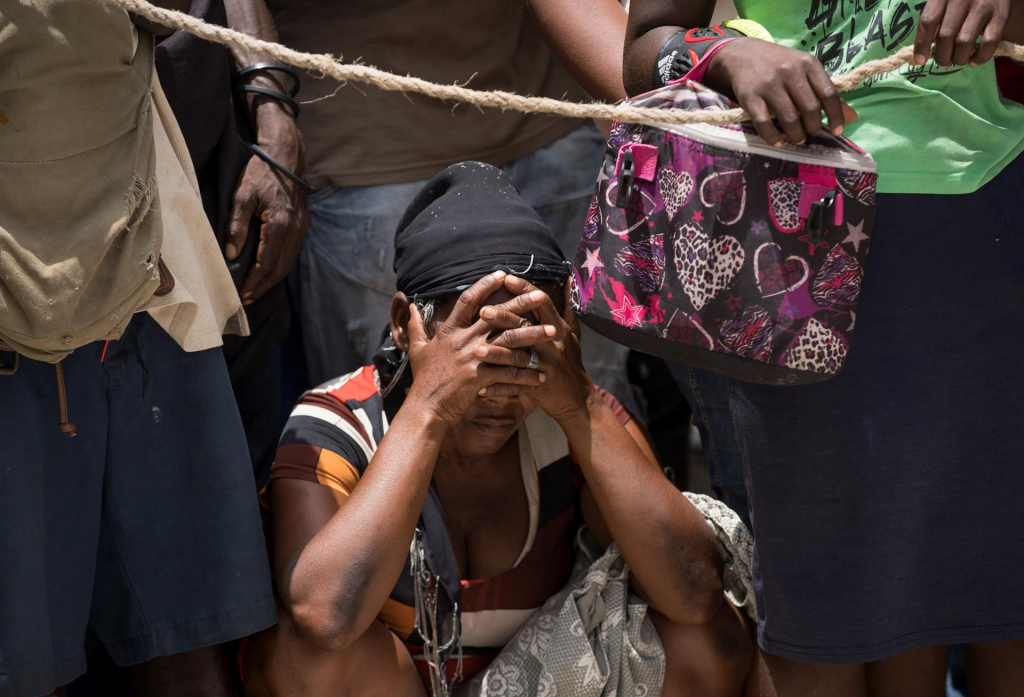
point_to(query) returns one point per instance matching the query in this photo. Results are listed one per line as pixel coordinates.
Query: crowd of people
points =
(293, 400)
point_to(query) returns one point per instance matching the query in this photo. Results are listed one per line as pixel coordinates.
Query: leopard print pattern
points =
(706, 266)
(784, 196)
(816, 348)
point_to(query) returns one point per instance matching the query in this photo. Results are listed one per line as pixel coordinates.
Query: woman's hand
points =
(955, 26)
(448, 376)
(767, 79)
(567, 387)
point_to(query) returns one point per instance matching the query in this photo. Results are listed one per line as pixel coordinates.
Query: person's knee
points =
(281, 662)
(204, 672)
(711, 659)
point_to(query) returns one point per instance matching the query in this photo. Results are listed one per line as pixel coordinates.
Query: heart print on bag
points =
(776, 275)
(675, 189)
(706, 266)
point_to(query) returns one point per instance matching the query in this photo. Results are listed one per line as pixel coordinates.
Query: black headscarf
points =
(468, 221)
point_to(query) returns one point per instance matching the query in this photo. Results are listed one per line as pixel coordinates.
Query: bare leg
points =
(711, 660)
(201, 673)
(915, 673)
(280, 662)
(799, 679)
(996, 669)
(759, 680)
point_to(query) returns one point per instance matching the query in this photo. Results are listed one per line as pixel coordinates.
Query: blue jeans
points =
(708, 396)
(345, 278)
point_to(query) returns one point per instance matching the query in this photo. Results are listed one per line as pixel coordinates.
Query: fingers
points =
(497, 355)
(469, 302)
(287, 220)
(849, 115)
(243, 208)
(256, 276)
(757, 108)
(828, 95)
(967, 36)
(927, 28)
(492, 374)
(266, 272)
(503, 389)
(949, 31)
(990, 39)
(534, 298)
(524, 337)
(500, 318)
(417, 332)
(787, 114)
(529, 300)
(805, 99)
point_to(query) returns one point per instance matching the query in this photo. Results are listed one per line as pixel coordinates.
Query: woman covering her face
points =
(478, 440)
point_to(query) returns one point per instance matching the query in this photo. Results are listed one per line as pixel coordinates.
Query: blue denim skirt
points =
(886, 503)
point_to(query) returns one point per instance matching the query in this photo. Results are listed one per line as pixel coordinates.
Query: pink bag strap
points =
(645, 160)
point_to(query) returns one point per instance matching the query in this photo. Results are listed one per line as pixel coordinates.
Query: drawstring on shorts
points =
(64, 426)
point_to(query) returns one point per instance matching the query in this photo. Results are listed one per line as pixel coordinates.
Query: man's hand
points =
(567, 387)
(278, 202)
(955, 26)
(263, 192)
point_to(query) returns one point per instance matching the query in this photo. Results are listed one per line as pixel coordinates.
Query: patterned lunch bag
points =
(703, 244)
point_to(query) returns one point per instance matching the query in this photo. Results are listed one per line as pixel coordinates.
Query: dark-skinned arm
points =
(263, 192)
(674, 559)
(337, 559)
(587, 37)
(766, 79)
(650, 24)
(672, 553)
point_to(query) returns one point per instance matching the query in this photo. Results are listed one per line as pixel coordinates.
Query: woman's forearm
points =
(651, 22)
(668, 546)
(338, 583)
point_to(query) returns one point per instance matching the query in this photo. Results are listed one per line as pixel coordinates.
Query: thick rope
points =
(329, 66)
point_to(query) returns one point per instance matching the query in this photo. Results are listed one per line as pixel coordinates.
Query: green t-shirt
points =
(931, 130)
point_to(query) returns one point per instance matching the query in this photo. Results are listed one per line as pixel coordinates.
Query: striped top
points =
(330, 438)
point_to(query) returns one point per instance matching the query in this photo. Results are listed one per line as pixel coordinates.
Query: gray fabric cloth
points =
(594, 638)
(591, 639)
(737, 545)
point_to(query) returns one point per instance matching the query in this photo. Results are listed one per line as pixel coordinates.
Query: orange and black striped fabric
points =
(331, 437)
